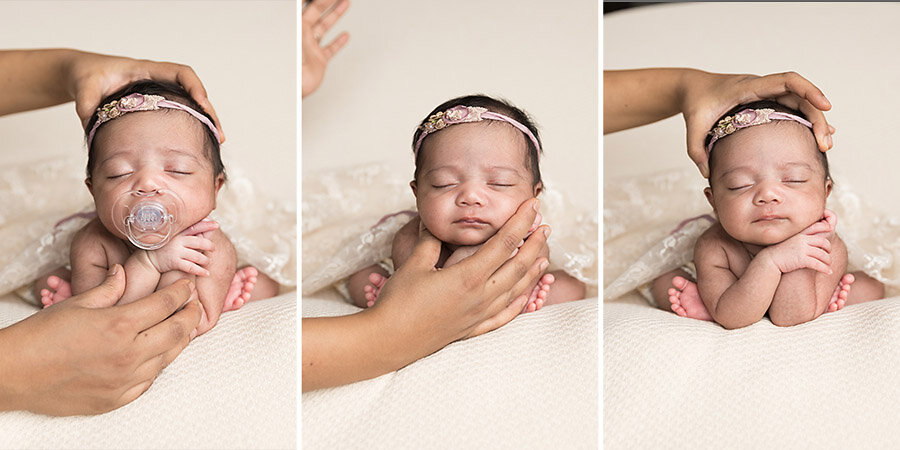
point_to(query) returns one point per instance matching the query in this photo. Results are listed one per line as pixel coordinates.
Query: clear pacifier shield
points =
(147, 219)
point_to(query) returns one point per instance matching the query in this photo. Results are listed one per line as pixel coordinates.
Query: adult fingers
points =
(776, 85)
(156, 307)
(188, 79)
(170, 336)
(329, 19)
(336, 45)
(86, 101)
(107, 293)
(497, 250)
(502, 318)
(516, 274)
(696, 136)
(821, 129)
(314, 10)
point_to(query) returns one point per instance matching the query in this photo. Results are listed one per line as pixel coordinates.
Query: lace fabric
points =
(341, 208)
(35, 197)
(640, 214)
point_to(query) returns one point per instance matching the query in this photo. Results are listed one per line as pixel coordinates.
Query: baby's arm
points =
(212, 288)
(90, 256)
(404, 241)
(804, 293)
(732, 302)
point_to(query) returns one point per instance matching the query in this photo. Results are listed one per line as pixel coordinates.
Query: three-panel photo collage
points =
(350, 224)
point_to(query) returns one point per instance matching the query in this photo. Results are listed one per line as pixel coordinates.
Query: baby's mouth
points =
(470, 221)
(769, 218)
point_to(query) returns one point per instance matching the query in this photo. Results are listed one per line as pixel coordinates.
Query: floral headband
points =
(749, 118)
(465, 114)
(142, 102)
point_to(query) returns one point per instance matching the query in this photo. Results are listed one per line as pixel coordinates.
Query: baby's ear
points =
(709, 197)
(220, 180)
(828, 186)
(90, 186)
(538, 188)
(414, 187)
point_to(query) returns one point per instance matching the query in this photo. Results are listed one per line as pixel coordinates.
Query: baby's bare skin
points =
(798, 296)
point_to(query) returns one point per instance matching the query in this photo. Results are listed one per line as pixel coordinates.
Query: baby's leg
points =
(53, 287)
(675, 291)
(360, 280)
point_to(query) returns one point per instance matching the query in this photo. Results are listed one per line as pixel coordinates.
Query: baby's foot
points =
(376, 282)
(241, 287)
(685, 299)
(539, 293)
(58, 291)
(840, 293)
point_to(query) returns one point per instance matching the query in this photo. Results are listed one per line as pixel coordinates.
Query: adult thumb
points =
(107, 293)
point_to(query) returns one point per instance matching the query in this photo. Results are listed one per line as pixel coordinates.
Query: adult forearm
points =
(632, 98)
(347, 349)
(34, 79)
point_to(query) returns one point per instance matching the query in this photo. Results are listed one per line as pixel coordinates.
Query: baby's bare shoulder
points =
(714, 246)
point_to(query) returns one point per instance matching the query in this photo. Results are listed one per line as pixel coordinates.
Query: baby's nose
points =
(147, 182)
(471, 195)
(767, 193)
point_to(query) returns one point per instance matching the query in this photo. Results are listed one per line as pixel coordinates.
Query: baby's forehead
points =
(778, 140)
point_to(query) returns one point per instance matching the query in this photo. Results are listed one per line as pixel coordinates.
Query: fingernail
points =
(544, 265)
(515, 250)
(546, 231)
(537, 204)
(830, 141)
(193, 334)
(113, 270)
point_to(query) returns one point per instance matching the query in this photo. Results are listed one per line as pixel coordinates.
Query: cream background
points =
(405, 57)
(244, 52)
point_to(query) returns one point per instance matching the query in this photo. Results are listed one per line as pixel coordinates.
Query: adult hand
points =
(476, 295)
(86, 356)
(318, 17)
(706, 96)
(420, 309)
(92, 76)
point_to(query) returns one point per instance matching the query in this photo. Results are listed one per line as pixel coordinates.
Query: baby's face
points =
(769, 183)
(471, 180)
(151, 151)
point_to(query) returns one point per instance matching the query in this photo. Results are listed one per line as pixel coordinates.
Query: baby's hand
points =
(186, 251)
(809, 249)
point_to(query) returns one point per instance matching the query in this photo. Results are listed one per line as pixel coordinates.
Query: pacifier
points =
(147, 219)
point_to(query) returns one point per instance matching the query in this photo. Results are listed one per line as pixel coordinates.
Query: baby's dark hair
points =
(762, 104)
(499, 106)
(170, 91)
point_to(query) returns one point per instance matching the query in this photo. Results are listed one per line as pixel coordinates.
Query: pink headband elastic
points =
(465, 114)
(749, 118)
(142, 102)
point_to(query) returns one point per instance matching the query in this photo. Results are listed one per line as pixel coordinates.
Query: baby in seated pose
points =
(774, 248)
(476, 161)
(154, 170)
